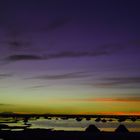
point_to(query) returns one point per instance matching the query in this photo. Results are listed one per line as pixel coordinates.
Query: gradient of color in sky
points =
(79, 57)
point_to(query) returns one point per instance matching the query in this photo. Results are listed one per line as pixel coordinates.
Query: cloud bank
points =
(127, 99)
(72, 75)
(117, 81)
(19, 57)
(2, 76)
(67, 54)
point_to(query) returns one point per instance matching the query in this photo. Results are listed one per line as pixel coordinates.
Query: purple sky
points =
(57, 50)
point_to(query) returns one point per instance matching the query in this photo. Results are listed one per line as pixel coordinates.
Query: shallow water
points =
(73, 125)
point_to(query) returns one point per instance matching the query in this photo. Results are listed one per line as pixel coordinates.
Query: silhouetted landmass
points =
(5, 126)
(98, 117)
(2, 126)
(92, 128)
(44, 134)
(91, 132)
(122, 129)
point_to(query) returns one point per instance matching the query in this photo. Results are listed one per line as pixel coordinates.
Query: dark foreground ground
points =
(42, 134)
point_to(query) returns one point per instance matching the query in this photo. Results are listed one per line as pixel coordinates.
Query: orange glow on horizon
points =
(112, 113)
(100, 100)
(89, 113)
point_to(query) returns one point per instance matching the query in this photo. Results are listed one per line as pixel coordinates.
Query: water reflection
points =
(74, 125)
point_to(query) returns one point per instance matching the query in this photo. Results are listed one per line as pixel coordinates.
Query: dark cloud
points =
(124, 79)
(2, 76)
(3, 104)
(16, 44)
(56, 24)
(72, 75)
(112, 47)
(21, 57)
(36, 87)
(67, 54)
(104, 50)
(72, 54)
(15, 40)
(119, 81)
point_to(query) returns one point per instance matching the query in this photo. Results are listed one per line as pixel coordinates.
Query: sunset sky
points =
(70, 56)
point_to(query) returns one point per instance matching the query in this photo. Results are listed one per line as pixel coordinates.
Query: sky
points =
(70, 57)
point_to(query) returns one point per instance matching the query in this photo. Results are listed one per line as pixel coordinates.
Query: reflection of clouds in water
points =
(72, 124)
